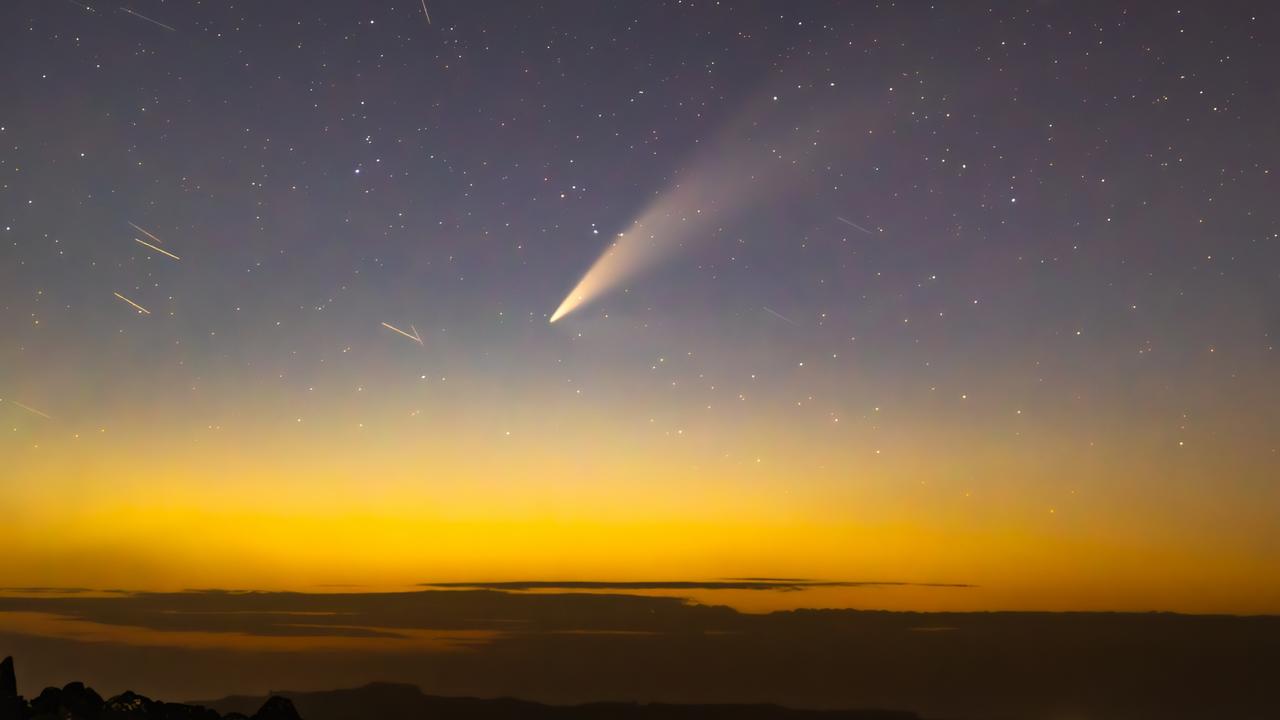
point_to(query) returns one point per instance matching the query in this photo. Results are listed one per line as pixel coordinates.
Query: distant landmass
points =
(395, 700)
(570, 649)
(75, 701)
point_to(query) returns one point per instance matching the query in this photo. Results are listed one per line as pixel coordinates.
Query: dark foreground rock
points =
(277, 708)
(12, 706)
(74, 701)
(8, 681)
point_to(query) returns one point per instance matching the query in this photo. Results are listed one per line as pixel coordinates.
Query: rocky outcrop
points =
(74, 701)
(12, 705)
(130, 705)
(277, 708)
(8, 681)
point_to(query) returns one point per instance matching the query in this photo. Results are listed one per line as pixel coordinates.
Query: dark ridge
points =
(74, 701)
(388, 700)
(378, 700)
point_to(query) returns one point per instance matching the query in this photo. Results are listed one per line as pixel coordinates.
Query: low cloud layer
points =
(575, 641)
(776, 584)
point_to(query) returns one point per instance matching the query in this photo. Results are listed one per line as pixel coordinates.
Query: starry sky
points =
(972, 294)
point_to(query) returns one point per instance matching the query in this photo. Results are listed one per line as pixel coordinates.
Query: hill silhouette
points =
(387, 700)
(75, 701)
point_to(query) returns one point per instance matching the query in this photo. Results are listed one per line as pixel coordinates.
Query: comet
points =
(414, 337)
(135, 305)
(760, 159)
(718, 186)
(627, 255)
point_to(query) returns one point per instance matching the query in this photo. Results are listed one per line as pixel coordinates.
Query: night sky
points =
(981, 294)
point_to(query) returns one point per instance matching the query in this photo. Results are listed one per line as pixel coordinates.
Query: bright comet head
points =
(739, 169)
(629, 254)
(566, 307)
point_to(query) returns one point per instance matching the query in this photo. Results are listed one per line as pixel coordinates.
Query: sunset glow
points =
(800, 355)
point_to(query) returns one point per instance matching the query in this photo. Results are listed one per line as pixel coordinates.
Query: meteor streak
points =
(159, 250)
(28, 408)
(780, 316)
(153, 22)
(414, 337)
(139, 308)
(144, 232)
(424, 11)
(854, 224)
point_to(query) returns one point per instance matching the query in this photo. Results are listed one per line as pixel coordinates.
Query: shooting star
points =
(153, 22)
(81, 5)
(159, 250)
(144, 232)
(414, 337)
(424, 11)
(854, 224)
(780, 316)
(139, 308)
(28, 408)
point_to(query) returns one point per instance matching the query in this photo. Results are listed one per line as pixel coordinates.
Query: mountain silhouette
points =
(396, 700)
(75, 701)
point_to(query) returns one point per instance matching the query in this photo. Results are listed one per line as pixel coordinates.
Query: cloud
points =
(469, 612)
(776, 584)
(45, 590)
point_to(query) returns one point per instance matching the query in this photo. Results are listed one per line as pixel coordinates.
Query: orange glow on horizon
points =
(262, 511)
